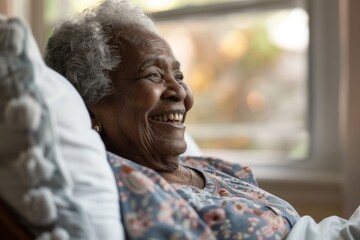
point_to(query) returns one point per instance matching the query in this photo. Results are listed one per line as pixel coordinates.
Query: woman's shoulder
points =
(215, 166)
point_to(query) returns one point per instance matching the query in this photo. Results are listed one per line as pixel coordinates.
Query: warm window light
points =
(256, 101)
(180, 40)
(233, 44)
(200, 78)
(81, 5)
(288, 29)
(159, 5)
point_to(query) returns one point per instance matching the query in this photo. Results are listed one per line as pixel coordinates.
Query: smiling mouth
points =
(175, 118)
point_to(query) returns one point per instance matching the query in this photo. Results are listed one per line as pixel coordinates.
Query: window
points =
(305, 125)
(247, 65)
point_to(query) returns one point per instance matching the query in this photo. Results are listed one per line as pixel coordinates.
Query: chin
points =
(169, 156)
(177, 149)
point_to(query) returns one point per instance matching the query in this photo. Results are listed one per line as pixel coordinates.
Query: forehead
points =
(139, 40)
(139, 49)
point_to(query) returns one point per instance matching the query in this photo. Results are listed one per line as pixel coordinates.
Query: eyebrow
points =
(158, 61)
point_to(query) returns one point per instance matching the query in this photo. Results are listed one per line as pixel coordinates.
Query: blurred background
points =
(272, 81)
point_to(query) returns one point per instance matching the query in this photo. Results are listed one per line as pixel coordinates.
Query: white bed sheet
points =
(331, 228)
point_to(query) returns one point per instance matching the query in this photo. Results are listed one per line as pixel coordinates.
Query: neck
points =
(160, 164)
(180, 175)
(184, 176)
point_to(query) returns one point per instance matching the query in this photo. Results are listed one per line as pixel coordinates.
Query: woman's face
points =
(144, 119)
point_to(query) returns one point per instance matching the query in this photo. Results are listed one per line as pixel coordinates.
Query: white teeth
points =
(165, 118)
(174, 117)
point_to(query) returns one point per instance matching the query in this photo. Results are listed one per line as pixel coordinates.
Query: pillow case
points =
(53, 166)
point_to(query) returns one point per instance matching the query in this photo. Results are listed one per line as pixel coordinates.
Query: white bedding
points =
(53, 167)
(331, 228)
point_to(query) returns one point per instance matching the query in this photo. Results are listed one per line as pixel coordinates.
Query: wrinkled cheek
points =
(145, 135)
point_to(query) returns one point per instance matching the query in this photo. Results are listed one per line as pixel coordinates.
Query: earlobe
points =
(96, 125)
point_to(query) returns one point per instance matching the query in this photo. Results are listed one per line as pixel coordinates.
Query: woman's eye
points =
(155, 77)
(179, 77)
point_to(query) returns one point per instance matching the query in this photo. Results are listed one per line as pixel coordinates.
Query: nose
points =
(173, 90)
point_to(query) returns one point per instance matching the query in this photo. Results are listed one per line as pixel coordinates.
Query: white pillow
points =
(192, 148)
(53, 166)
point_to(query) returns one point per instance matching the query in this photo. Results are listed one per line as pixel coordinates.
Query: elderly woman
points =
(138, 100)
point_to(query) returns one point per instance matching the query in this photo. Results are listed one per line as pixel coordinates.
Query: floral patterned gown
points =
(231, 206)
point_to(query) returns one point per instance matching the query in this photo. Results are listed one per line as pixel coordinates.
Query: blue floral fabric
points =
(231, 206)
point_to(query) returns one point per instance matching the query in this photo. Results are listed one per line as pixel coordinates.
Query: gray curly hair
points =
(80, 48)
